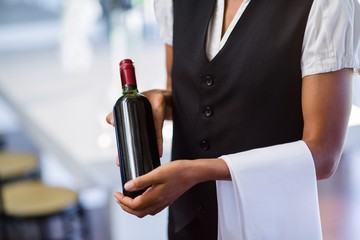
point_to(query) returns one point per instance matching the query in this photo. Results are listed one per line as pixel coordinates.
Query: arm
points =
(161, 101)
(326, 101)
(326, 107)
(168, 59)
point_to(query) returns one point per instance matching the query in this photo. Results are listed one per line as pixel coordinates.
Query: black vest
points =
(248, 96)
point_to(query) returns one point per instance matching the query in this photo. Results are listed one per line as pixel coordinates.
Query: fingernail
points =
(129, 186)
(116, 199)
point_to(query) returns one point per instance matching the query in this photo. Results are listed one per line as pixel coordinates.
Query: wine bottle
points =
(134, 129)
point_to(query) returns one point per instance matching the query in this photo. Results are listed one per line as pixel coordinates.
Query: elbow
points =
(326, 159)
(326, 168)
(326, 163)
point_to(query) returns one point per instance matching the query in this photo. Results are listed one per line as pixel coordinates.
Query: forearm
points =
(210, 169)
(167, 93)
(326, 101)
(168, 104)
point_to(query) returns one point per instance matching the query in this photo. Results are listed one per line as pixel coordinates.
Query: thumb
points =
(110, 118)
(141, 182)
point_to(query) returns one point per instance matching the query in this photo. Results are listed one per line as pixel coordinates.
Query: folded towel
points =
(272, 195)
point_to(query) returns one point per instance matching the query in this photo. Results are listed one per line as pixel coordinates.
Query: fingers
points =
(110, 119)
(159, 138)
(158, 104)
(142, 205)
(164, 189)
(124, 202)
(156, 211)
(158, 113)
(149, 179)
(128, 205)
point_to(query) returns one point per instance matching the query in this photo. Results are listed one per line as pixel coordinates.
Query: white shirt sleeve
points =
(331, 40)
(272, 195)
(165, 17)
(332, 37)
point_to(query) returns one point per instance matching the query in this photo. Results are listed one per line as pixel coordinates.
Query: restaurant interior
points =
(59, 78)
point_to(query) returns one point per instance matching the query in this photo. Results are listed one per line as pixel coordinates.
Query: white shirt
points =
(331, 40)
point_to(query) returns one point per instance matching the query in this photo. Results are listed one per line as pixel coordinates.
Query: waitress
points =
(261, 84)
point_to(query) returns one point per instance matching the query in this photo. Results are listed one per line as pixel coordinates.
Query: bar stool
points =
(28, 206)
(18, 166)
(32, 202)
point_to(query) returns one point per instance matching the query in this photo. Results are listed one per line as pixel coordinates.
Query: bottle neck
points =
(129, 88)
(127, 72)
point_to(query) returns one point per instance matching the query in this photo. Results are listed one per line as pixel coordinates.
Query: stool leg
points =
(76, 224)
(43, 228)
(84, 224)
(70, 220)
(67, 228)
(3, 228)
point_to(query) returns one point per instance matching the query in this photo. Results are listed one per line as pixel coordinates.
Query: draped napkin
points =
(272, 195)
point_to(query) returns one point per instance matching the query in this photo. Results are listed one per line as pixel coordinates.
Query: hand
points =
(161, 109)
(166, 183)
(110, 120)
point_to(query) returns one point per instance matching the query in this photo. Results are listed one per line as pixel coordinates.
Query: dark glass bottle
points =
(134, 128)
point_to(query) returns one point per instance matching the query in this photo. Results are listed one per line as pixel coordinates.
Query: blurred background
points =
(59, 79)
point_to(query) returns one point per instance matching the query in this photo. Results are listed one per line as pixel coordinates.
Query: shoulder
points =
(161, 5)
(332, 36)
(165, 18)
(163, 9)
(337, 8)
(333, 13)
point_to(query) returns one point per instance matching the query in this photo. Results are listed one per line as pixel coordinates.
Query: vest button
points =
(208, 111)
(198, 207)
(204, 145)
(209, 81)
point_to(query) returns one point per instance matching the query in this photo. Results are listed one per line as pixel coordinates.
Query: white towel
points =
(272, 195)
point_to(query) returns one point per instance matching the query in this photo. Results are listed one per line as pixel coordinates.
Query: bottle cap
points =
(127, 72)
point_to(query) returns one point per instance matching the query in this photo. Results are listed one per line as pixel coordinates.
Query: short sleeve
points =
(332, 37)
(165, 17)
